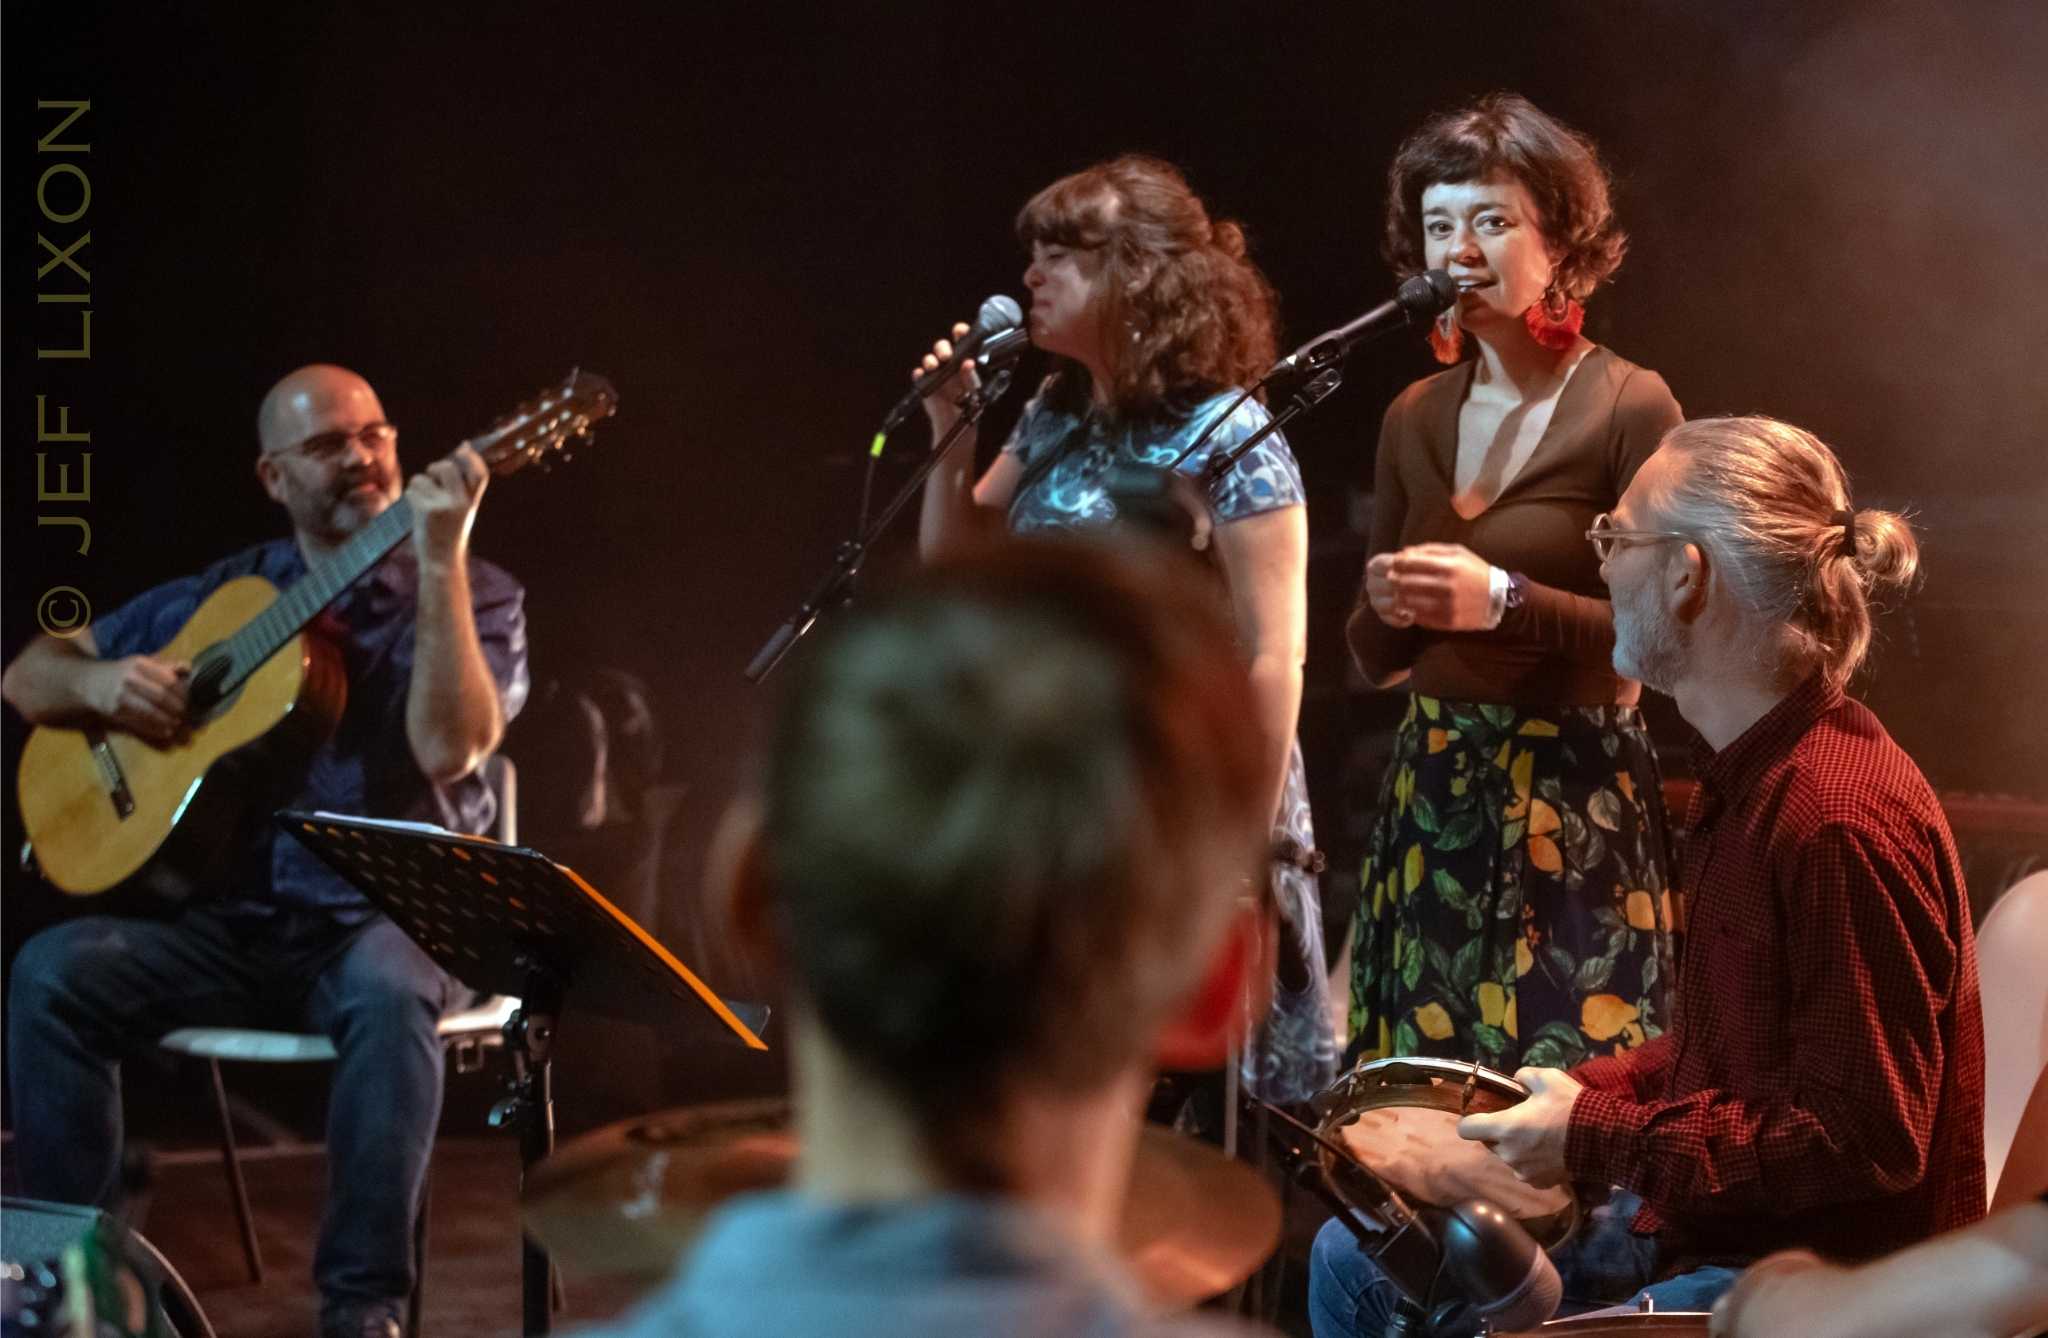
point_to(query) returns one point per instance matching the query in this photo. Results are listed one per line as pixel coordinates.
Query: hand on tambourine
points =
(1530, 1136)
(942, 409)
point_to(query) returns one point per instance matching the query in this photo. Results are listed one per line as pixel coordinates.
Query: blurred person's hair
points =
(1010, 804)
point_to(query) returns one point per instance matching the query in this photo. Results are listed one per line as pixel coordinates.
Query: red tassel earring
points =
(1554, 322)
(1446, 339)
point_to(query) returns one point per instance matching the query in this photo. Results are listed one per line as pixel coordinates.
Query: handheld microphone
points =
(998, 316)
(1423, 297)
(1001, 349)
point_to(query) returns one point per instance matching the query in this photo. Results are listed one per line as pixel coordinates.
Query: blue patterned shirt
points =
(1065, 456)
(1068, 493)
(367, 767)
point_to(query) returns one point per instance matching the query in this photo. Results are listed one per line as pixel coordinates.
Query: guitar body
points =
(106, 811)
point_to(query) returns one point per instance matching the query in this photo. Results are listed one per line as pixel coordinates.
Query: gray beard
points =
(1649, 645)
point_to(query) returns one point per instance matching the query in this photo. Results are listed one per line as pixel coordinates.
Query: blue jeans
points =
(1602, 1264)
(87, 992)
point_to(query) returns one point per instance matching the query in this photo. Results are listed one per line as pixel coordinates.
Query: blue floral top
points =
(1067, 493)
(1294, 1054)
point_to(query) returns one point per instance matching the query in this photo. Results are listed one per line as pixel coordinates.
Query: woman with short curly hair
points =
(1514, 906)
(1155, 318)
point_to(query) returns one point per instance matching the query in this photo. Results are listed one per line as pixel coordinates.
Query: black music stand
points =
(508, 920)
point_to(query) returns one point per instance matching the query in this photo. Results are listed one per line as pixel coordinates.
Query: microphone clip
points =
(973, 402)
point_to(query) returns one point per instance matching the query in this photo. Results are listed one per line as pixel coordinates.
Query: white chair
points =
(2026, 1166)
(467, 1034)
(2012, 969)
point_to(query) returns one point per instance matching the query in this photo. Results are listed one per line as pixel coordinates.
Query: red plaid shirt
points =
(1822, 1083)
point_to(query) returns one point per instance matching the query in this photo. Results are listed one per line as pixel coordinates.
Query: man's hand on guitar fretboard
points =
(444, 498)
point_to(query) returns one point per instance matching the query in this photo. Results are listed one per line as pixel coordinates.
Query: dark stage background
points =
(754, 222)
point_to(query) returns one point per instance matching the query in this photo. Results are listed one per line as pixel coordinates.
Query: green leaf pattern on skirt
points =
(1515, 908)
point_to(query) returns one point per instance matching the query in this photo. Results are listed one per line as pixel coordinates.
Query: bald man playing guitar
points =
(427, 648)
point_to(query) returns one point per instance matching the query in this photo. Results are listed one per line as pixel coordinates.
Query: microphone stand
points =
(1313, 392)
(1419, 298)
(835, 585)
(1323, 356)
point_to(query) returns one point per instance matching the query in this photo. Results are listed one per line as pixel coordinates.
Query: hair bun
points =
(1886, 551)
(1228, 237)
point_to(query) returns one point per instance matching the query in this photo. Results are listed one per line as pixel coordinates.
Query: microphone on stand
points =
(998, 318)
(998, 340)
(1423, 297)
(1419, 299)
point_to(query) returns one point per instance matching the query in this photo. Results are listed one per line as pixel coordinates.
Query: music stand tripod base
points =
(508, 920)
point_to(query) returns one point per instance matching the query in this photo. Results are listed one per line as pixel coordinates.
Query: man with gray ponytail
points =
(1768, 504)
(1823, 1084)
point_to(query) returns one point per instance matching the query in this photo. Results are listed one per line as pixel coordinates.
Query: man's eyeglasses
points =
(1606, 536)
(330, 446)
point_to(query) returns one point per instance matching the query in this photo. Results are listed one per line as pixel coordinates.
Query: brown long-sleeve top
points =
(1557, 648)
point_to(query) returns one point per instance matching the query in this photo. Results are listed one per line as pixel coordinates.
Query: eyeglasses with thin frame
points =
(1605, 536)
(328, 446)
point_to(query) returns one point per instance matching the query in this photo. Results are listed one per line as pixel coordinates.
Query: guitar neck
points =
(262, 635)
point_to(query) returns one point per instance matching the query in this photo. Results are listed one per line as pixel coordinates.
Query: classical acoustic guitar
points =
(106, 811)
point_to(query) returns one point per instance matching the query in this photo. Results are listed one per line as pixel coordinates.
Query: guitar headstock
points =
(552, 423)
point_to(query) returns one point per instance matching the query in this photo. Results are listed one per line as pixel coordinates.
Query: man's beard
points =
(349, 511)
(1649, 644)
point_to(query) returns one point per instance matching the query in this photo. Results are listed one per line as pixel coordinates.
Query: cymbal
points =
(1196, 1223)
(628, 1199)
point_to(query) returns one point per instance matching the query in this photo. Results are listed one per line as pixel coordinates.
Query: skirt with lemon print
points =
(1515, 908)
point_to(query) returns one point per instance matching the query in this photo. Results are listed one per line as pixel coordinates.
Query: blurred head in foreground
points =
(1012, 815)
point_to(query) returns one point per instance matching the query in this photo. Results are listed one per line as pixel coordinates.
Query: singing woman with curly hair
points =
(1514, 904)
(1155, 318)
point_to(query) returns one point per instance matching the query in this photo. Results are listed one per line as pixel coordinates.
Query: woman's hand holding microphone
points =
(943, 408)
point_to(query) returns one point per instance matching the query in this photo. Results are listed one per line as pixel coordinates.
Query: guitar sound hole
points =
(208, 685)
